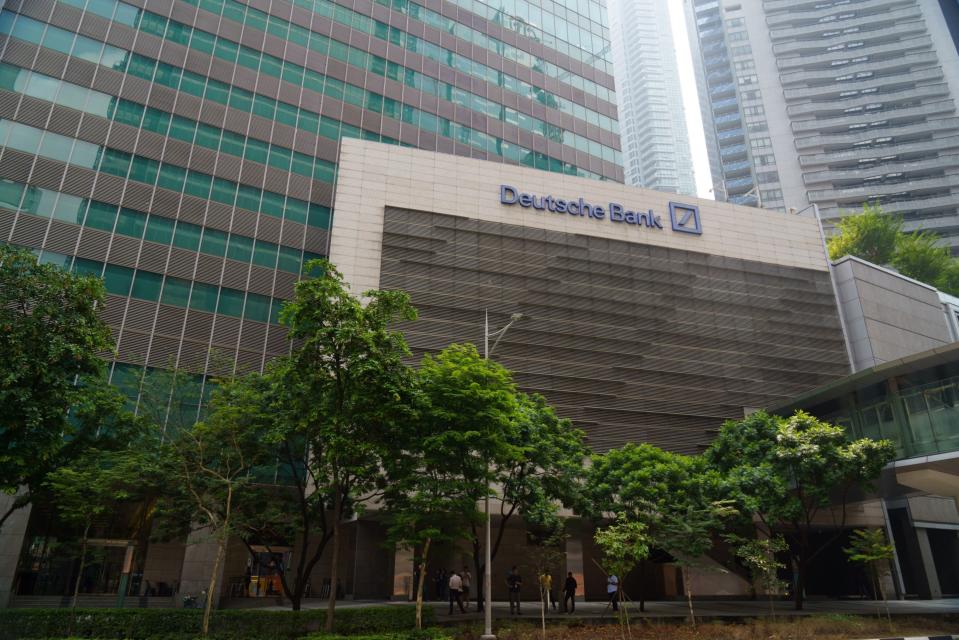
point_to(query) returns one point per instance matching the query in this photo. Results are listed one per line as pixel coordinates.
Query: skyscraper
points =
(186, 150)
(844, 102)
(652, 119)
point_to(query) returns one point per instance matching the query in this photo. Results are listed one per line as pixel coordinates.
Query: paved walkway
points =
(678, 608)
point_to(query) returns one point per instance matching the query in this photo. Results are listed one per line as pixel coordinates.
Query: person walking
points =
(612, 590)
(569, 593)
(514, 582)
(545, 588)
(467, 579)
(456, 591)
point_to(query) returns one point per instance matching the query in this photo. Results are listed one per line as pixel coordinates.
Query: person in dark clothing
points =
(569, 593)
(514, 582)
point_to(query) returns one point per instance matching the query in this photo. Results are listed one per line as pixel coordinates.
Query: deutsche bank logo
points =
(685, 218)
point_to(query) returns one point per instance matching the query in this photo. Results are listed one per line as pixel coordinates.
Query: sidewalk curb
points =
(919, 638)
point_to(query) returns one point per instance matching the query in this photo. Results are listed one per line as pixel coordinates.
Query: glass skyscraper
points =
(187, 150)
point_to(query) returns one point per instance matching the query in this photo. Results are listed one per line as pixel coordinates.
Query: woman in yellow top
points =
(546, 589)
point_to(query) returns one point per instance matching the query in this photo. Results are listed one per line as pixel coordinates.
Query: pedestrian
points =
(467, 579)
(612, 590)
(545, 588)
(456, 591)
(514, 582)
(569, 593)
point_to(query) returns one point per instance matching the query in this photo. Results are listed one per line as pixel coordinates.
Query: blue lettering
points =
(615, 212)
(561, 206)
(525, 200)
(507, 194)
(598, 212)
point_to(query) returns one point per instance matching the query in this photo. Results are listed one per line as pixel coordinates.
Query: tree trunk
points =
(624, 611)
(76, 585)
(419, 586)
(642, 585)
(689, 596)
(480, 577)
(208, 605)
(544, 602)
(799, 595)
(335, 559)
(882, 594)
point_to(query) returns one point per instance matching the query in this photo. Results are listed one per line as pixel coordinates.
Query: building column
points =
(11, 544)
(403, 574)
(199, 556)
(575, 561)
(928, 563)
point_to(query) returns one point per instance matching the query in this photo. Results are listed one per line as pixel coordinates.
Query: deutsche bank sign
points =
(683, 218)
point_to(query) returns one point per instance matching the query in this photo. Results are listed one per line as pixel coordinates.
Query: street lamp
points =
(488, 570)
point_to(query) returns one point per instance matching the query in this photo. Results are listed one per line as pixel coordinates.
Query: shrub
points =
(183, 624)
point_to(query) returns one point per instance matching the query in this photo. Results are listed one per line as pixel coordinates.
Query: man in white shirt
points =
(456, 591)
(612, 590)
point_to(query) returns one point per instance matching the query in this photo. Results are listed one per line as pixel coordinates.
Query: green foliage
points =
(50, 337)
(918, 256)
(184, 624)
(624, 543)
(867, 546)
(879, 238)
(788, 471)
(759, 556)
(870, 235)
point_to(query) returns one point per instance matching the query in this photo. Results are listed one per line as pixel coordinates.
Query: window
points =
(214, 242)
(118, 279)
(147, 286)
(240, 248)
(187, 236)
(159, 229)
(101, 216)
(176, 292)
(131, 223)
(264, 254)
(257, 308)
(70, 209)
(204, 297)
(231, 303)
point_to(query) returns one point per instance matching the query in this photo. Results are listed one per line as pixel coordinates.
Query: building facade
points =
(656, 151)
(187, 150)
(850, 102)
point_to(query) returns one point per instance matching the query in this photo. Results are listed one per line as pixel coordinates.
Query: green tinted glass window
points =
(319, 216)
(131, 223)
(70, 209)
(257, 308)
(240, 248)
(187, 236)
(296, 210)
(264, 254)
(275, 307)
(10, 194)
(223, 191)
(176, 292)
(39, 202)
(159, 229)
(257, 151)
(289, 259)
(129, 113)
(87, 267)
(198, 184)
(147, 286)
(231, 303)
(144, 170)
(171, 177)
(204, 297)
(214, 242)
(56, 146)
(101, 216)
(272, 204)
(116, 163)
(118, 279)
(248, 198)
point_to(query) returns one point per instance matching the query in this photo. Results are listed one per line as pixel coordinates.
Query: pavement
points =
(677, 609)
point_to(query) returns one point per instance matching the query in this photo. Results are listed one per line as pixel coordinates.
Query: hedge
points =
(183, 624)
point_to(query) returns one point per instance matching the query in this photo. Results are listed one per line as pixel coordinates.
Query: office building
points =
(652, 318)
(846, 102)
(186, 150)
(656, 151)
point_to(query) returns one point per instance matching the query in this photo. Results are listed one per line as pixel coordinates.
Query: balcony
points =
(733, 170)
(884, 34)
(836, 107)
(930, 126)
(865, 23)
(915, 43)
(841, 123)
(793, 15)
(929, 205)
(729, 118)
(722, 91)
(834, 91)
(936, 144)
(735, 135)
(733, 152)
(739, 185)
(898, 64)
(868, 192)
(915, 167)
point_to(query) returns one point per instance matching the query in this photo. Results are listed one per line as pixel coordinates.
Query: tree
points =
(85, 489)
(919, 256)
(869, 547)
(50, 338)
(214, 460)
(344, 385)
(870, 235)
(759, 556)
(473, 407)
(427, 497)
(686, 531)
(640, 482)
(624, 543)
(788, 471)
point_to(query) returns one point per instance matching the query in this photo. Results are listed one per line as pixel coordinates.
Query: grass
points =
(826, 627)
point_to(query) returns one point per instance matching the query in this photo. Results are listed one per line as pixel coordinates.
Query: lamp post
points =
(488, 569)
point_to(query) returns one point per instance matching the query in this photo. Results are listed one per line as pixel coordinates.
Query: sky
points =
(687, 81)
